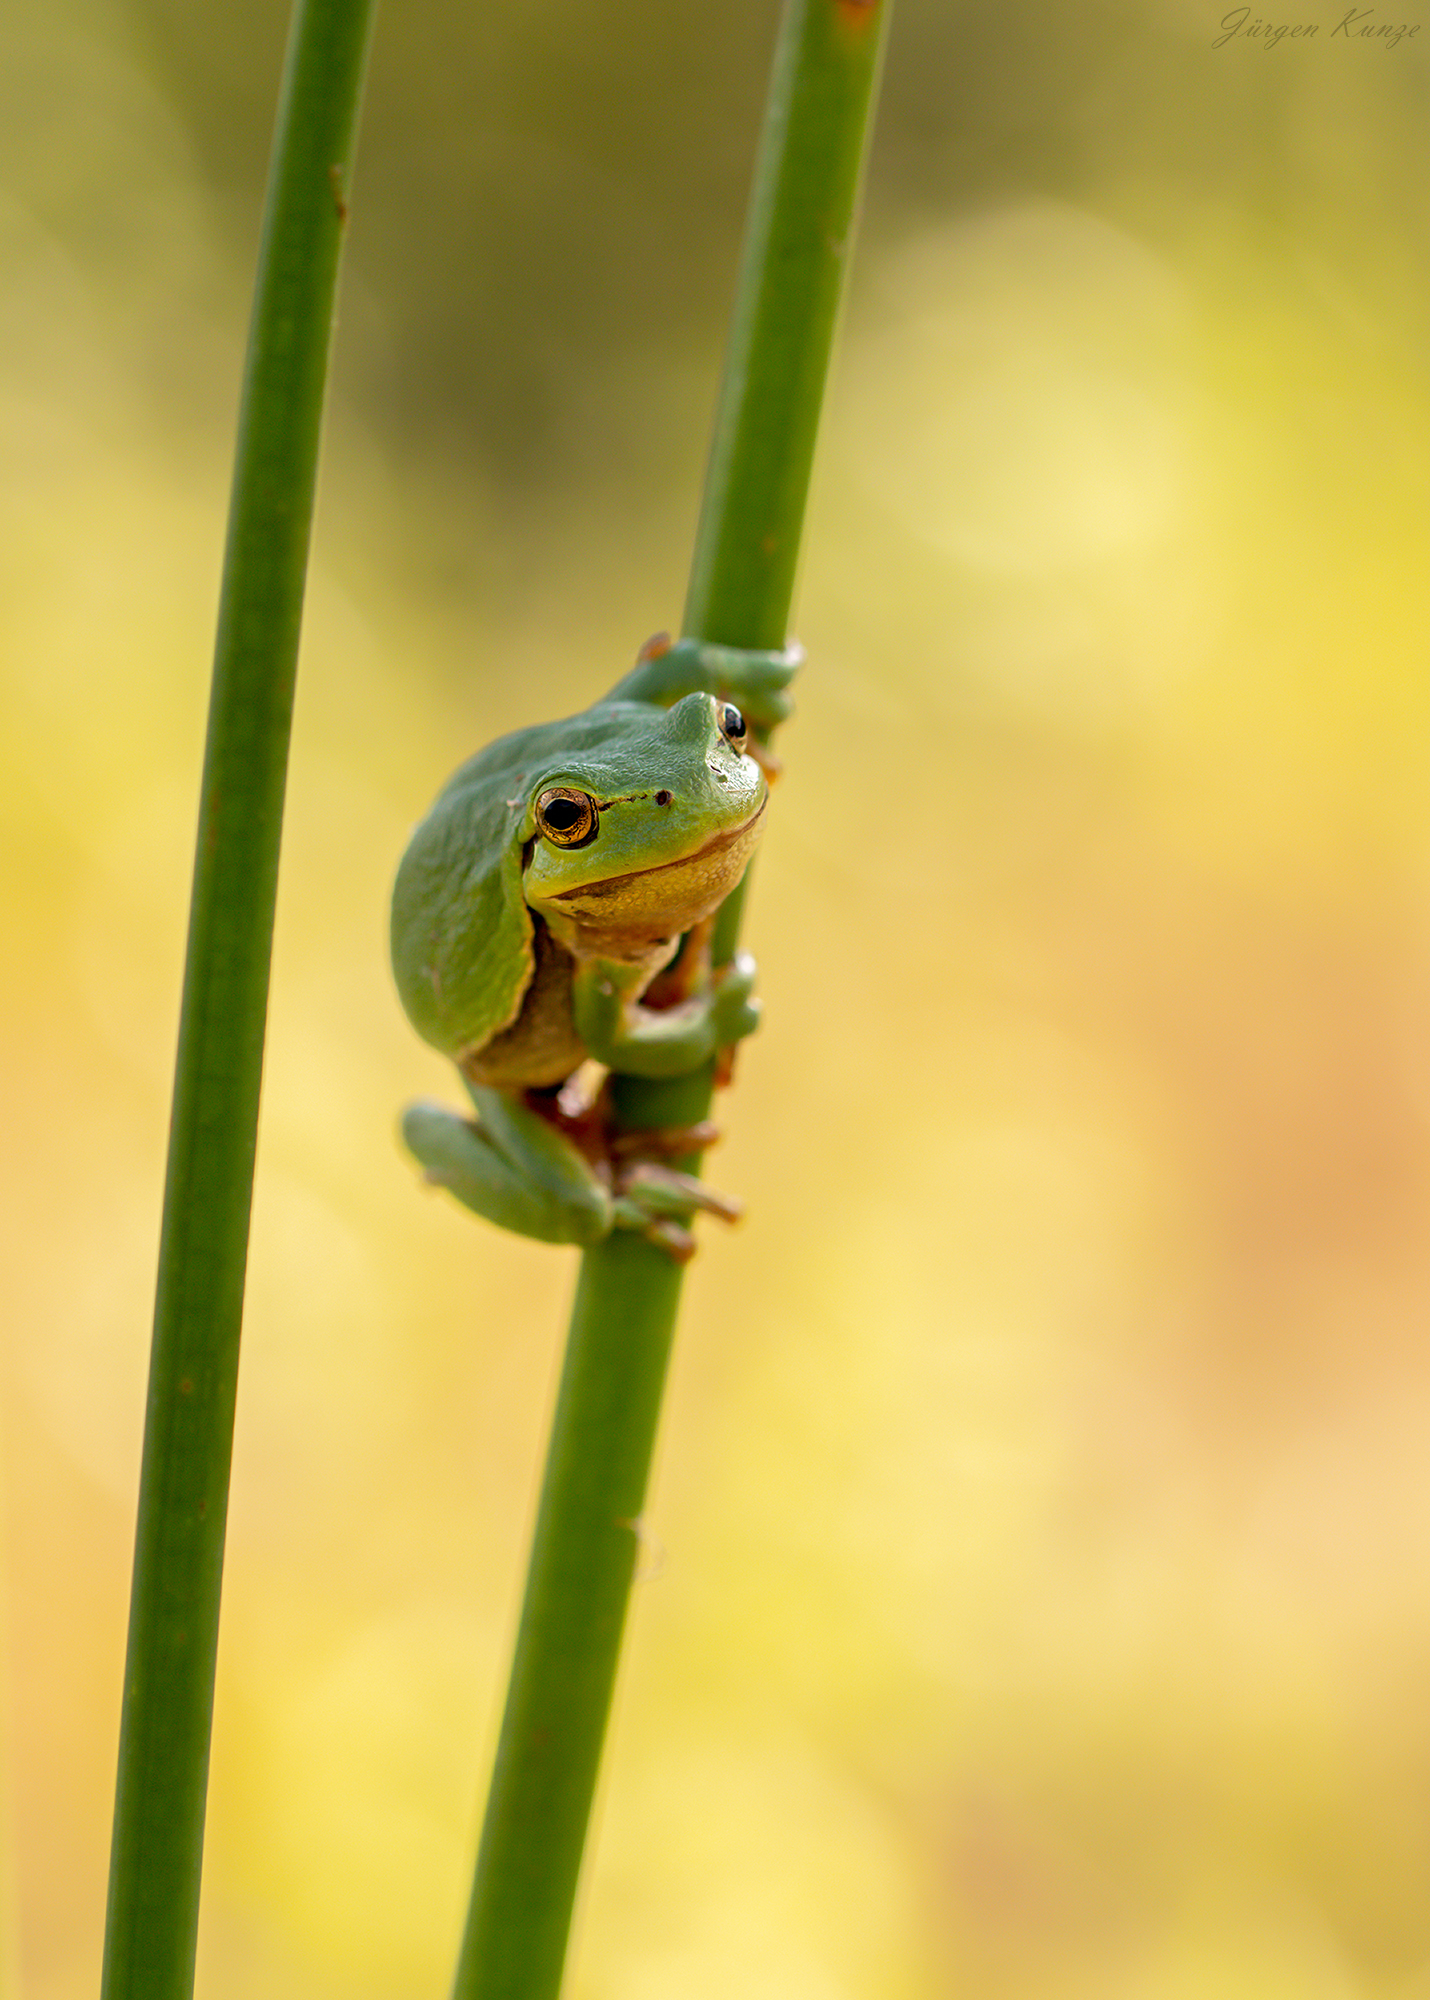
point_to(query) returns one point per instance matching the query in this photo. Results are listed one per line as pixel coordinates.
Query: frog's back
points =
(461, 931)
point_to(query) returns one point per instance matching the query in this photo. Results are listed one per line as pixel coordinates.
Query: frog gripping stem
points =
(584, 1552)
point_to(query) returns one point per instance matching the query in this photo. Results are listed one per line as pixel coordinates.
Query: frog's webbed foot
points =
(676, 1193)
(649, 1194)
(660, 1202)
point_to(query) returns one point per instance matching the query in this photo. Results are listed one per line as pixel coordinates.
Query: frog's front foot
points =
(664, 1041)
(666, 669)
(734, 1011)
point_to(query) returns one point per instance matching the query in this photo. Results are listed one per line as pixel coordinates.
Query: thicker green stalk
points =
(586, 1541)
(183, 1500)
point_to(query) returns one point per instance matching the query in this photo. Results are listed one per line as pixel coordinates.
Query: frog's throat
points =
(637, 917)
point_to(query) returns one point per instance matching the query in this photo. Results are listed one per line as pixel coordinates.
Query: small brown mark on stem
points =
(857, 15)
(335, 182)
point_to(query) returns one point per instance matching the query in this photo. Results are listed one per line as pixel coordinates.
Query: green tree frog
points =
(555, 907)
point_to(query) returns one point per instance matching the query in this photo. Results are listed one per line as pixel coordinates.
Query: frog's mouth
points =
(611, 916)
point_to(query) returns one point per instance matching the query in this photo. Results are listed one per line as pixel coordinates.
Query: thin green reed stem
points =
(183, 1499)
(587, 1537)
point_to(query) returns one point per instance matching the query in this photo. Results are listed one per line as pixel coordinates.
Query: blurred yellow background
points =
(1044, 1611)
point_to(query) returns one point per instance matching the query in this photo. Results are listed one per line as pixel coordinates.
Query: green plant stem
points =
(587, 1536)
(183, 1500)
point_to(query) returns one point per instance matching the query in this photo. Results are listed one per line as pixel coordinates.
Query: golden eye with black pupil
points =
(732, 725)
(567, 818)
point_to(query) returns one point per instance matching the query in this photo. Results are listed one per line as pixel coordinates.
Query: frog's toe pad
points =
(733, 1007)
(672, 1237)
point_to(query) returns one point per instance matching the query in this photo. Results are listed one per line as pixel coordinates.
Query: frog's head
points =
(644, 828)
(622, 827)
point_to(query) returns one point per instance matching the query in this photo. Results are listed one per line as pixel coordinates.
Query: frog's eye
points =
(732, 725)
(568, 819)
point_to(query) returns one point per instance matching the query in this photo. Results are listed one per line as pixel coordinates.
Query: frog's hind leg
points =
(517, 1165)
(510, 1166)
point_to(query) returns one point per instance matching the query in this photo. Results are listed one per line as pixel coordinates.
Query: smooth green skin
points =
(669, 783)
